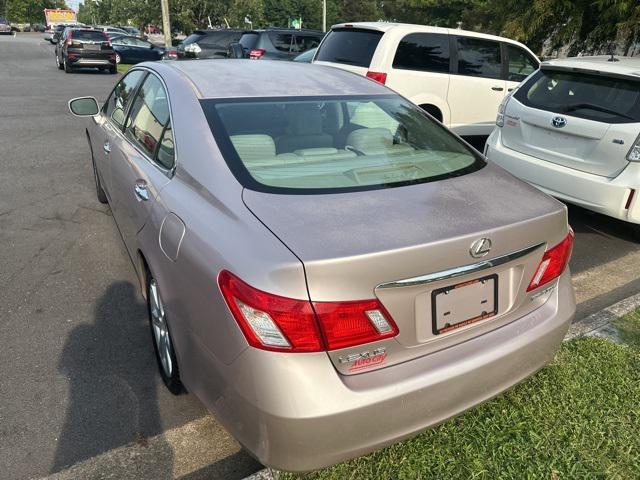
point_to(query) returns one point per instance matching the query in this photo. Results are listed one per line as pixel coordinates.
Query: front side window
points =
(479, 58)
(350, 46)
(521, 65)
(589, 96)
(323, 145)
(149, 118)
(427, 52)
(116, 105)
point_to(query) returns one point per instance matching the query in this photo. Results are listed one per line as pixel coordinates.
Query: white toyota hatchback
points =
(572, 130)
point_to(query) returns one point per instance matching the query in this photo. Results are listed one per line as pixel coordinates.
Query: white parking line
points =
(203, 442)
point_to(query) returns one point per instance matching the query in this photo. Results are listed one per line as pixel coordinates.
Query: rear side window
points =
(427, 52)
(116, 106)
(193, 38)
(349, 46)
(479, 58)
(149, 120)
(282, 41)
(592, 97)
(302, 43)
(220, 39)
(521, 65)
(88, 35)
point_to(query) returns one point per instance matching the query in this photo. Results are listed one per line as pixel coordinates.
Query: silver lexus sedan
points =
(327, 267)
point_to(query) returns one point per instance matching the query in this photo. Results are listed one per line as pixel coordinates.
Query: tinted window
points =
(249, 40)
(220, 39)
(88, 35)
(375, 142)
(302, 43)
(479, 58)
(282, 41)
(349, 46)
(194, 37)
(593, 97)
(116, 106)
(423, 51)
(521, 65)
(166, 152)
(149, 116)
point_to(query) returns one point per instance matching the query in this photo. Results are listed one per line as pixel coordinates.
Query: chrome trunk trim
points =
(459, 271)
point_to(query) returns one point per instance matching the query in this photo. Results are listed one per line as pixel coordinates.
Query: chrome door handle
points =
(497, 89)
(106, 147)
(141, 191)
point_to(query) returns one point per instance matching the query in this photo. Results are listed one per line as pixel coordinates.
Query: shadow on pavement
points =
(113, 382)
(234, 467)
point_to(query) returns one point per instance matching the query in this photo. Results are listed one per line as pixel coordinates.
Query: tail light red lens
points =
(272, 322)
(256, 53)
(379, 77)
(553, 263)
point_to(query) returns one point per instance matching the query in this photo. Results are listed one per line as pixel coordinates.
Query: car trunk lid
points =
(366, 245)
(583, 121)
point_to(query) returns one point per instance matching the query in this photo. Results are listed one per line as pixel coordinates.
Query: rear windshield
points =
(349, 46)
(577, 94)
(248, 40)
(194, 37)
(322, 145)
(89, 35)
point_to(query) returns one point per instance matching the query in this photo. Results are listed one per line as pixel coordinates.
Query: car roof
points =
(210, 31)
(286, 30)
(414, 28)
(270, 78)
(629, 66)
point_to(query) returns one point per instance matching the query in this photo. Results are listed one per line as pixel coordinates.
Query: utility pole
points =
(166, 24)
(324, 15)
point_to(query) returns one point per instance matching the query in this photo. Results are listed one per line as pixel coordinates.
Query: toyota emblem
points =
(559, 122)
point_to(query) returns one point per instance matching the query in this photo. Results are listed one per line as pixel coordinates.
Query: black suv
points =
(208, 43)
(82, 47)
(275, 43)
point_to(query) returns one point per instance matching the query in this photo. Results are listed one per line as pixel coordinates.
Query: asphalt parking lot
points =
(78, 381)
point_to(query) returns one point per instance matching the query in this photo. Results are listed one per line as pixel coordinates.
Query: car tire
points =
(161, 338)
(60, 66)
(102, 197)
(67, 68)
(113, 70)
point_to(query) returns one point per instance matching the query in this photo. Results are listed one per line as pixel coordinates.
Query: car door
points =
(109, 124)
(139, 168)
(477, 85)
(520, 64)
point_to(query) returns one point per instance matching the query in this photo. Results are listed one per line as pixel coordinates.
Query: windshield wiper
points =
(347, 60)
(598, 108)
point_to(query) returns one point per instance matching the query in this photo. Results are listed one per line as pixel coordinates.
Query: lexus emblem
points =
(559, 122)
(480, 247)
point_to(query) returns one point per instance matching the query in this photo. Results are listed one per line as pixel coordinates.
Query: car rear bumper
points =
(91, 62)
(296, 413)
(604, 195)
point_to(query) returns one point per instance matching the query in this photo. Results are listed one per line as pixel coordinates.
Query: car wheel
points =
(102, 197)
(118, 59)
(162, 343)
(66, 66)
(58, 64)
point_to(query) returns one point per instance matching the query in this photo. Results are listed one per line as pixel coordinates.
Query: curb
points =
(597, 324)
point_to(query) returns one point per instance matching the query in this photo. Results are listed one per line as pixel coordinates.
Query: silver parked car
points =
(327, 267)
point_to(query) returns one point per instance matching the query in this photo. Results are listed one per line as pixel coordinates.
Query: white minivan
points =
(573, 130)
(457, 76)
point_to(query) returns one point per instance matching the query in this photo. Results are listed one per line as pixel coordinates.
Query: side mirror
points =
(235, 50)
(84, 106)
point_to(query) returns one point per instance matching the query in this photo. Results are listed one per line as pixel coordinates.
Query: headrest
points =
(365, 139)
(305, 119)
(253, 147)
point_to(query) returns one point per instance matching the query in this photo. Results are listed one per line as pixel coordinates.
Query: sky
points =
(74, 4)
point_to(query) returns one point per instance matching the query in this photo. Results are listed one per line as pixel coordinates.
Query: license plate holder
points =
(459, 305)
(91, 46)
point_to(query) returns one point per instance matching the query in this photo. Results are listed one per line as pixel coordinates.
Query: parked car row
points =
(5, 27)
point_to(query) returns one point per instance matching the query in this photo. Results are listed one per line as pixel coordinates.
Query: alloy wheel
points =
(160, 328)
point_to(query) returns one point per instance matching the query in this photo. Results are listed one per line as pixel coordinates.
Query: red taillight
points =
(272, 322)
(553, 263)
(346, 324)
(256, 53)
(379, 77)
